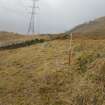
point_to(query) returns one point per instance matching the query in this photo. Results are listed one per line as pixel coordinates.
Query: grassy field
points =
(40, 74)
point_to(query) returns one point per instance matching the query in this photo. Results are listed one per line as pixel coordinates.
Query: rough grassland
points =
(40, 75)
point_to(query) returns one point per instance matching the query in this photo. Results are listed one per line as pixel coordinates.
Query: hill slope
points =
(9, 36)
(9, 40)
(6, 37)
(96, 27)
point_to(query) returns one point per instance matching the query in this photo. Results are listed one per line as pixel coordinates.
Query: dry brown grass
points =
(40, 75)
(7, 37)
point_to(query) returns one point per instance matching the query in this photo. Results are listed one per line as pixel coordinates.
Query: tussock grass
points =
(40, 75)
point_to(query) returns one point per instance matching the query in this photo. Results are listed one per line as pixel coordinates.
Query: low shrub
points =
(83, 60)
(22, 44)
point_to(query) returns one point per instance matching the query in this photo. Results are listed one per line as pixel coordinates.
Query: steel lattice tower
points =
(31, 28)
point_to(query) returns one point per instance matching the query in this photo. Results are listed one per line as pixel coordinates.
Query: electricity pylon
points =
(31, 28)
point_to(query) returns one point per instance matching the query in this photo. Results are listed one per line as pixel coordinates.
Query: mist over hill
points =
(95, 27)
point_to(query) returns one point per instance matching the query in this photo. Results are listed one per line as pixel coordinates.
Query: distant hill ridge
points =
(10, 36)
(95, 27)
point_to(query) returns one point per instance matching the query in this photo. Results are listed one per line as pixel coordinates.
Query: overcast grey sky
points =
(53, 15)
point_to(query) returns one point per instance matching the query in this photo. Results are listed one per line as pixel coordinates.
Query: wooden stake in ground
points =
(70, 49)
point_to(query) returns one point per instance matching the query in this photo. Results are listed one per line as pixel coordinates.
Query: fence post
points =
(70, 49)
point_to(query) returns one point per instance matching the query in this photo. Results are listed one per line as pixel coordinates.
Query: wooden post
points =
(70, 49)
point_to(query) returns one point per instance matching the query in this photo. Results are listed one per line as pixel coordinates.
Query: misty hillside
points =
(95, 27)
(10, 40)
(9, 36)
